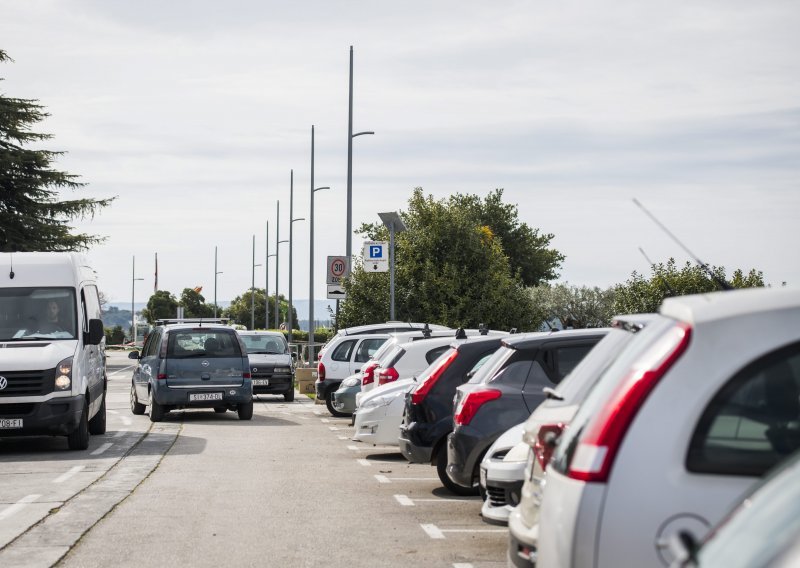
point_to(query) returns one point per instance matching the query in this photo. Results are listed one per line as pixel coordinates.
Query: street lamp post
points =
(266, 280)
(133, 294)
(278, 242)
(291, 224)
(253, 288)
(311, 258)
(350, 136)
(216, 272)
(395, 224)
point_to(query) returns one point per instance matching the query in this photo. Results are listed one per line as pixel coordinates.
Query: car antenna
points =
(11, 260)
(721, 282)
(426, 331)
(653, 266)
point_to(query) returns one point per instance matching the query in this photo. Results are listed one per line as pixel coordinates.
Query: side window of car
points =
(150, 347)
(753, 422)
(343, 350)
(367, 349)
(435, 353)
(567, 358)
(516, 371)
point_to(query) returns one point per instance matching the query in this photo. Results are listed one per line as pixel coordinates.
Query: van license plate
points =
(260, 382)
(205, 396)
(8, 423)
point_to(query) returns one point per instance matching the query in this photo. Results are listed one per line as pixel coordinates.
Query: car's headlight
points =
(518, 453)
(351, 382)
(377, 401)
(283, 370)
(64, 374)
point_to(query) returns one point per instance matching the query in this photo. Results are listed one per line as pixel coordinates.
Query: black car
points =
(429, 406)
(506, 391)
(271, 363)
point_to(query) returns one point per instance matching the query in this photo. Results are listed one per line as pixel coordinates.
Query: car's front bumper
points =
(344, 399)
(276, 384)
(58, 416)
(380, 425)
(502, 495)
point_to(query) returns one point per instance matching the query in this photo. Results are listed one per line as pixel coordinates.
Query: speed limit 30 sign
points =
(338, 268)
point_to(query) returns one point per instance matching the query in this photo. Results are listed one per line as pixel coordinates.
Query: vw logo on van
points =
(205, 363)
(3, 383)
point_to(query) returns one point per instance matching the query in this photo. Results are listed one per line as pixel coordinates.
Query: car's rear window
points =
(203, 343)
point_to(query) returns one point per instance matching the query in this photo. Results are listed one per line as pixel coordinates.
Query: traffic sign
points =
(376, 256)
(338, 268)
(336, 292)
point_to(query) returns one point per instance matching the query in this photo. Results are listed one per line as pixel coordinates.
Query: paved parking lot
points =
(289, 488)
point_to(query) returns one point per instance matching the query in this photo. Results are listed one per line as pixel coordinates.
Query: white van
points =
(52, 348)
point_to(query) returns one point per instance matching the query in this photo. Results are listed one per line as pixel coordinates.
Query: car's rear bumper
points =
(522, 541)
(411, 451)
(57, 416)
(182, 397)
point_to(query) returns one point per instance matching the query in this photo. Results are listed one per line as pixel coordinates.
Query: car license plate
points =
(8, 423)
(200, 396)
(260, 382)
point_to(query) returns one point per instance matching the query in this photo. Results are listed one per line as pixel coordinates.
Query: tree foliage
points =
(161, 305)
(240, 310)
(194, 304)
(452, 266)
(640, 294)
(573, 306)
(32, 217)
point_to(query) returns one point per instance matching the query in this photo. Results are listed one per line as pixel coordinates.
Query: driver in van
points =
(51, 322)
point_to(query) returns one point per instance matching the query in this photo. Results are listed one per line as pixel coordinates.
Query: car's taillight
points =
(321, 371)
(604, 432)
(246, 375)
(387, 375)
(472, 403)
(368, 373)
(161, 376)
(427, 382)
(546, 442)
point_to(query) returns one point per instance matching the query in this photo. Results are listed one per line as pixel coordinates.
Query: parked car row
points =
(622, 446)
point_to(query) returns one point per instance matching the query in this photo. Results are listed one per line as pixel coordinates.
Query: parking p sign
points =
(376, 256)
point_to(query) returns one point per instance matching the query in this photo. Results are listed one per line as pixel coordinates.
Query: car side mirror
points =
(294, 356)
(96, 332)
(133, 355)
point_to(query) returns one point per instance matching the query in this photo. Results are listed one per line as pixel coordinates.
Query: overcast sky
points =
(194, 112)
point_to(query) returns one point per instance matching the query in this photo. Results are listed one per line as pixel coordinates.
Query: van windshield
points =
(28, 314)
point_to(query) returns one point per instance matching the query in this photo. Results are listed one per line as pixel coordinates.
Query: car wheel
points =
(329, 404)
(136, 407)
(245, 411)
(220, 410)
(79, 438)
(288, 396)
(97, 425)
(157, 411)
(450, 485)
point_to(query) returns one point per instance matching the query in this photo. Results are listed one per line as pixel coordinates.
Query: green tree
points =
(240, 309)
(451, 269)
(161, 305)
(115, 335)
(32, 217)
(574, 306)
(640, 294)
(194, 304)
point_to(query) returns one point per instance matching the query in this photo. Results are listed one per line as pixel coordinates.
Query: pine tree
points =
(32, 217)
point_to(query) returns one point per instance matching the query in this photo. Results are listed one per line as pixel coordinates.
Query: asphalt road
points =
(288, 488)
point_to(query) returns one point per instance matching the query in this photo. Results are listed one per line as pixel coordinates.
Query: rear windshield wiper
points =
(551, 393)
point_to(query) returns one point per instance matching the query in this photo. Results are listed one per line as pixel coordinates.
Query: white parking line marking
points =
(394, 479)
(365, 463)
(325, 420)
(120, 433)
(19, 505)
(121, 370)
(462, 565)
(404, 501)
(382, 479)
(112, 411)
(126, 420)
(334, 428)
(432, 531)
(102, 449)
(344, 437)
(64, 476)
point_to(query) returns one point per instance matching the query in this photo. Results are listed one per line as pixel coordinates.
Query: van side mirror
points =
(96, 332)
(133, 355)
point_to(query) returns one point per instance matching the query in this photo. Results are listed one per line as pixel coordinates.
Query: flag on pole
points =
(155, 282)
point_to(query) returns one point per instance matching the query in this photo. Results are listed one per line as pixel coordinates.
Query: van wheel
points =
(450, 485)
(245, 411)
(97, 425)
(329, 404)
(288, 396)
(79, 438)
(136, 407)
(157, 411)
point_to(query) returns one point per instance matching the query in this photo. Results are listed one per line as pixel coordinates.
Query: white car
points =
(380, 412)
(700, 404)
(548, 422)
(501, 473)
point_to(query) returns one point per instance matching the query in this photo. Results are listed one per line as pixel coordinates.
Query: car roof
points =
(197, 327)
(389, 326)
(260, 332)
(699, 308)
(527, 340)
